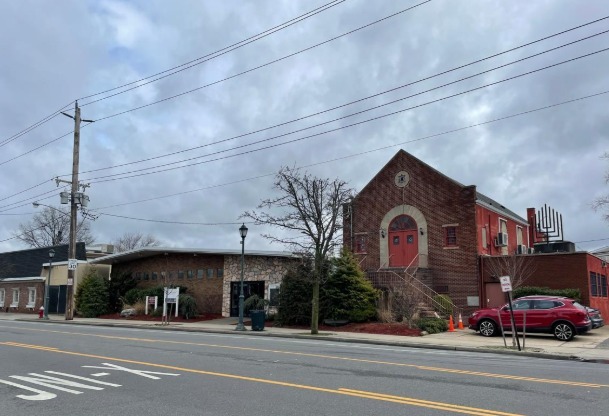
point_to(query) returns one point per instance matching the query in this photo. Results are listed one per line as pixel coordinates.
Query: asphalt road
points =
(52, 369)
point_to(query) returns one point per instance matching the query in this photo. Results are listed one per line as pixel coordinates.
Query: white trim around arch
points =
(421, 223)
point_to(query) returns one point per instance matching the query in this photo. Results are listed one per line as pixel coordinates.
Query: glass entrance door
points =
(249, 289)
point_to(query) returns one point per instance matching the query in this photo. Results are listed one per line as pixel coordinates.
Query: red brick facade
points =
(435, 202)
(202, 274)
(565, 271)
(455, 230)
(23, 305)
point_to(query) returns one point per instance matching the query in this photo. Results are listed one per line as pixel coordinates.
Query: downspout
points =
(351, 224)
(481, 290)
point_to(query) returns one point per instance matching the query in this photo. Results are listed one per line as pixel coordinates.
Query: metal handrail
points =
(417, 284)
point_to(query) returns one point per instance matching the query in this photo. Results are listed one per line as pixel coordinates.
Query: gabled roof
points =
(28, 263)
(493, 205)
(481, 199)
(404, 152)
(144, 252)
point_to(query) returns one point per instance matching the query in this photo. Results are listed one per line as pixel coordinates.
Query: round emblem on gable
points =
(401, 179)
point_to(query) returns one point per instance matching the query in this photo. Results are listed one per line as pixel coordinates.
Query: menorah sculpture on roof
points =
(549, 224)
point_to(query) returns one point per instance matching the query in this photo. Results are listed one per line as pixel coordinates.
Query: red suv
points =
(560, 316)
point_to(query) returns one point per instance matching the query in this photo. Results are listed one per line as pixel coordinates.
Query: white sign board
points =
(506, 284)
(171, 295)
(72, 264)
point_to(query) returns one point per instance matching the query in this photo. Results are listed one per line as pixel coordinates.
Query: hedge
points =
(546, 291)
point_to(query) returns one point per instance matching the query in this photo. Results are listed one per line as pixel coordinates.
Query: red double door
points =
(403, 241)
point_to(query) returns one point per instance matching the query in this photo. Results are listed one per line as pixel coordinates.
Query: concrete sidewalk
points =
(593, 346)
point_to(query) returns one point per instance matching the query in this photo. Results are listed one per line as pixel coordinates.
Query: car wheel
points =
(487, 328)
(563, 331)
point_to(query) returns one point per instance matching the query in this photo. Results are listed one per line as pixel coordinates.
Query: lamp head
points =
(35, 204)
(243, 230)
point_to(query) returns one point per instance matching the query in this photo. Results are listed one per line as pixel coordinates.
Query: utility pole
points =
(75, 198)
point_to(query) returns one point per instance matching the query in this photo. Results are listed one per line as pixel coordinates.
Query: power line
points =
(232, 76)
(346, 157)
(343, 105)
(35, 125)
(25, 190)
(100, 178)
(592, 241)
(213, 55)
(263, 65)
(333, 108)
(328, 131)
(28, 201)
(256, 37)
(367, 151)
(173, 222)
(36, 148)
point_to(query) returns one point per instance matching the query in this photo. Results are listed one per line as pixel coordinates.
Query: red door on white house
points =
(403, 241)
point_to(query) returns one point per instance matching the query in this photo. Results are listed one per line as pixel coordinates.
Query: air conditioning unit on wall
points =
(531, 250)
(501, 240)
(521, 249)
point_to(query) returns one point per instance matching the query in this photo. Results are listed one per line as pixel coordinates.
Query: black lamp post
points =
(243, 232)
(46, 288)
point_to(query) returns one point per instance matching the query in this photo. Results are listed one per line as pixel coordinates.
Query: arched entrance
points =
(403, 241)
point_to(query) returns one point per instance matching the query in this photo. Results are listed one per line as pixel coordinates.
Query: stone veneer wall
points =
(256, 268)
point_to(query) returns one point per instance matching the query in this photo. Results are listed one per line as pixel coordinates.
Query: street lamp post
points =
(46, 288)
(243, 232)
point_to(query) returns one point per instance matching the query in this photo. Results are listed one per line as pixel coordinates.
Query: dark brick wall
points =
(207, 291)
(441, 201)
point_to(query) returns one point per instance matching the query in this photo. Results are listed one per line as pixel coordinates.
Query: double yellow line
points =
(338, 358)
(340, 391)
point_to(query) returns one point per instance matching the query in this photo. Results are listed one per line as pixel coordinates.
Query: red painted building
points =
(411, 222)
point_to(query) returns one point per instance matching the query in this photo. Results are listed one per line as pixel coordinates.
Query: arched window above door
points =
(402, 222)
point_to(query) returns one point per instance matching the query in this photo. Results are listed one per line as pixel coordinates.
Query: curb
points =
(405, 344)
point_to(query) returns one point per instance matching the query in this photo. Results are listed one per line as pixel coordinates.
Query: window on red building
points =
(450, 236)
(593, 284)
(360, 243)
(604, 286)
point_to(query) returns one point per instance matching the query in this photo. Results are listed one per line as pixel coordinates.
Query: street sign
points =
(72, 264)
(506, 284)
(70, 281)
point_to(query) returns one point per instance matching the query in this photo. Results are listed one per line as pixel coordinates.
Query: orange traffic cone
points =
(460, 326)
(451, 325)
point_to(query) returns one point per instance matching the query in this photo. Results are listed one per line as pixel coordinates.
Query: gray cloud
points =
(53, 53)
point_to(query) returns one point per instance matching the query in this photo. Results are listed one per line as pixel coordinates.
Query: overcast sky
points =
(56, 52)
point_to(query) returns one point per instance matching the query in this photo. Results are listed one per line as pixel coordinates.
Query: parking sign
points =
(506, 284)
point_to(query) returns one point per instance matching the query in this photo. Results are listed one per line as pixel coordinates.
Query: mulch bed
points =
(365, 327)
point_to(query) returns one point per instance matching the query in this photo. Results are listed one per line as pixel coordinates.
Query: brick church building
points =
(413, 223)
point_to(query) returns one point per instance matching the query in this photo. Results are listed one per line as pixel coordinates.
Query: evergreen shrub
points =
(92, 296)
(432, 325)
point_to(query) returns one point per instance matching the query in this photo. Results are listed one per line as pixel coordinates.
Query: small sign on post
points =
(72, 263)
(153, 301)
(506, 284)
(171, 295)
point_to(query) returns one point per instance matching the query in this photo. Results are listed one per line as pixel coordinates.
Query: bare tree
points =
(131, 241)
(51, 227)
(310, 208)
(602, 203)
(518, 267)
